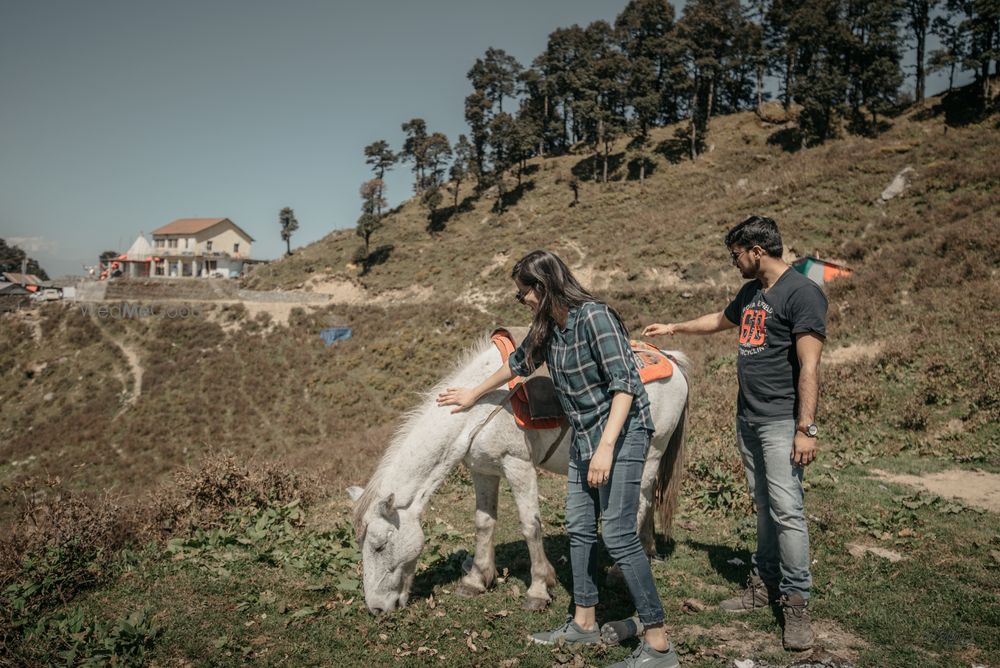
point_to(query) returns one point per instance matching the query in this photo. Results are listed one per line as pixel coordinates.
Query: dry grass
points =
(925, 287)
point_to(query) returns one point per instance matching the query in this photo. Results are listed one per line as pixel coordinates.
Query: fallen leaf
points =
(471, 645)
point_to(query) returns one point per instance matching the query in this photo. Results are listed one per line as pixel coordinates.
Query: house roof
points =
(22, 279)
(140, 249)
(195, 225)
(11, 289)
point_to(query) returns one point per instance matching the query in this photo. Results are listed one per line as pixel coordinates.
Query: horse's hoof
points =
(533, 604)
(468, 591)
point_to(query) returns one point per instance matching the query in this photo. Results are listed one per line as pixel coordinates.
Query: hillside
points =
(911, 384)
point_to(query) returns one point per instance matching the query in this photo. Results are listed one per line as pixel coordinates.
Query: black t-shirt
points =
(768, 366)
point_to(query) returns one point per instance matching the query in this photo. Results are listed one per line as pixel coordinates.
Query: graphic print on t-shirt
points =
(753, 326)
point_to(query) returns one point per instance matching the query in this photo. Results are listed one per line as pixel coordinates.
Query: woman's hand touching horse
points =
(462, 398)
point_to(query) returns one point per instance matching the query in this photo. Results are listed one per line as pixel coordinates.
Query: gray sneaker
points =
(797, 634)
(757, 595)
(645, 656)
(569, 633)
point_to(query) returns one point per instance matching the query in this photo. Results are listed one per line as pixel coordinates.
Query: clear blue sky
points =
(118, 116)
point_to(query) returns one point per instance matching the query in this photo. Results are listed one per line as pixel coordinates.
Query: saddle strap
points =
(555, 444)
(552, 448)
(493, 414)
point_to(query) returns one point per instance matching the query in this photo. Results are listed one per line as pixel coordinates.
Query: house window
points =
(159, 243)
(208, 245)
(236, 248)
(185, 243)
(171, 243)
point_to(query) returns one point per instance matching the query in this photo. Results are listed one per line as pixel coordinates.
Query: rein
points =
(493, 414)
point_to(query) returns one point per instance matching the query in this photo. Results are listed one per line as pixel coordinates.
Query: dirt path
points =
(976, 488)
(135, 370)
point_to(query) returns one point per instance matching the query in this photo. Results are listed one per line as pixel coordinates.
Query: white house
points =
(200, 247)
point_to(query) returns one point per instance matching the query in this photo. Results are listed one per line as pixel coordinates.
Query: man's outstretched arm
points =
(706, 324)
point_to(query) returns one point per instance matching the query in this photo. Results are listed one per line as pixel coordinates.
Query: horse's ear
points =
(386, 507)
(355, 492)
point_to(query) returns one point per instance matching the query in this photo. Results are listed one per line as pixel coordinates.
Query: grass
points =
(227, 601)
(923, 306)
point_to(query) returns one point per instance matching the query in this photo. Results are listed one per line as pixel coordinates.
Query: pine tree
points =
(644, 31)
(14, 259)
(819, 77)
(436, 155)
(370, 220)
(496, 75)
(710, 32)
(477, 109)
(415, 150)
(503, 134)
(873, 55)
(286, 218)
(461, 166)
(380, 157)
(561, 64)
(953, 40)
(918, 20)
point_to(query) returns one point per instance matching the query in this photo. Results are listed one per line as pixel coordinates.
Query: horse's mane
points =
(407, 421)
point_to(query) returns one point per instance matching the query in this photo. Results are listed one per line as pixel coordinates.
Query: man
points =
(781, 316)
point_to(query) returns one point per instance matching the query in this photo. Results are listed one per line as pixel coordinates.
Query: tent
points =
(820, 271)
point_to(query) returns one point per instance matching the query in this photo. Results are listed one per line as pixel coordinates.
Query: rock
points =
(742, 184)
(49, 396)
(693, 606)
(859, 551)
(898, 185)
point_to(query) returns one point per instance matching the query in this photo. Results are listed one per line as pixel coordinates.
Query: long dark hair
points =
(557, 288)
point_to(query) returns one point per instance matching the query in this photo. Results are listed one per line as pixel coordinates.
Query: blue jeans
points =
(616, 503)
(782, 555)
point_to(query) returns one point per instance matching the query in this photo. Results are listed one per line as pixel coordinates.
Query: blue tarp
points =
(333, 334)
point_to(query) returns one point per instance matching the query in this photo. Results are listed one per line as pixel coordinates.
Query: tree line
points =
(594, 85)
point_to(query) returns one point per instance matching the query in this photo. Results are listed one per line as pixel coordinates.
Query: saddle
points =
(535, 404)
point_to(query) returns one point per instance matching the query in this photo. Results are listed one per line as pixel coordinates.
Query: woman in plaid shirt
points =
(585, 345)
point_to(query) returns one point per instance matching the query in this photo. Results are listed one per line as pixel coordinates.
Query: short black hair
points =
(757, 231)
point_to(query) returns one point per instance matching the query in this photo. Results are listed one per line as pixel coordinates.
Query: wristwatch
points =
(809, 430)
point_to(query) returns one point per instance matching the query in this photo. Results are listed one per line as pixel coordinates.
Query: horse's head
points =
(391, 539)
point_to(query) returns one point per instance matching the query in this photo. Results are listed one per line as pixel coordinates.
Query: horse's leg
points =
(483, 573)
(524, 485)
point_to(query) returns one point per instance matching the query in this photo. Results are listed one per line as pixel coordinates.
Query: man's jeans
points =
(617, 503)
(782, 555)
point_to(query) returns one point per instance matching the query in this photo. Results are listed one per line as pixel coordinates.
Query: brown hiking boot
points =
(797, 634)
(757, 595)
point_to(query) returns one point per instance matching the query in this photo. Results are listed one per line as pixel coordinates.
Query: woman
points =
(585, 345)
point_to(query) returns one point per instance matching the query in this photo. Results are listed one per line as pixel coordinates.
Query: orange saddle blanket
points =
(535, 405)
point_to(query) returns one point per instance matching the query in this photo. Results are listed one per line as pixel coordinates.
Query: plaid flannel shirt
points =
(589, 360)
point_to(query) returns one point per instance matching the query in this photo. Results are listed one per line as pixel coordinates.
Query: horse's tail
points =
(680, 359)
(670, 473)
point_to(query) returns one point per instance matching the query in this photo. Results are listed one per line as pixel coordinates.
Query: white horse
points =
(432, 441)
